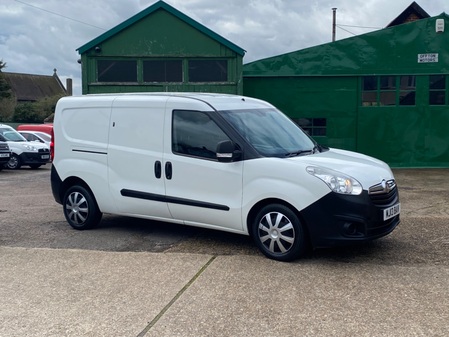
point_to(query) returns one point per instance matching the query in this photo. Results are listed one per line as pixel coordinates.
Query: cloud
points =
(36, 36)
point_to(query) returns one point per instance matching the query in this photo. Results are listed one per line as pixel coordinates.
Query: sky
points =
(38, 36)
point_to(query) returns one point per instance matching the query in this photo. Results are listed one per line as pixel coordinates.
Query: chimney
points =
(334, 22)
(69, 86)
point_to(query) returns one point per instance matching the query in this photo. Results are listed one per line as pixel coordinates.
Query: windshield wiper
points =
(299, 153)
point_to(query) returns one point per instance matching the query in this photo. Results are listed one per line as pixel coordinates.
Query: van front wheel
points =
(80, 208)
(14, 162)
(278, 233)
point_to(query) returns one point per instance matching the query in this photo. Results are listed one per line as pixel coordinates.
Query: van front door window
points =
(195, 134)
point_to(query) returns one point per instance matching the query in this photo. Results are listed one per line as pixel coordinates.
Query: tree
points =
(5, 89)
(7, 99)
(46, 106)
(26, 113)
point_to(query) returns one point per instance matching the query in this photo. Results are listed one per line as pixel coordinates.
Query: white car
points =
(22, 151)
(36, 136)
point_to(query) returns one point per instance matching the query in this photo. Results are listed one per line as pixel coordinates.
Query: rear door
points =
(135, 156)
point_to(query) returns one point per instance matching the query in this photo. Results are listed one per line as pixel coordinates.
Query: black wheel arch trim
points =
(56, 184)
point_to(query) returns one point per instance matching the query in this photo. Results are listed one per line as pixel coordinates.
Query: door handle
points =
(168, 170)
(157, 169)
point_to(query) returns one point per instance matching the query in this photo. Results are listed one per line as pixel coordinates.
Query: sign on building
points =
(428, 58)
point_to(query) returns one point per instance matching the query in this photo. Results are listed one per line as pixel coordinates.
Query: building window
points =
(208, 71)
(162, 71)
(315, 127)
(407, 90)
(437, 90)
(388, 90)
(117, 71)
(369, 91)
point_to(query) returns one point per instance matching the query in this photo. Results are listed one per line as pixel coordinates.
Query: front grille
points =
(385, 199)
(44, 150)
(4, 147)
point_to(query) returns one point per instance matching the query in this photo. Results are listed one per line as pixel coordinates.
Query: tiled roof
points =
(30, 88)
(412, 13)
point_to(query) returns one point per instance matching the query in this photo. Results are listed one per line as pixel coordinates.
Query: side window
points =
(194, 133)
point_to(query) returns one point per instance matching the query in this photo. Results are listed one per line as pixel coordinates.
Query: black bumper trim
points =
(56, 184)
(172, 200)
(338, 219)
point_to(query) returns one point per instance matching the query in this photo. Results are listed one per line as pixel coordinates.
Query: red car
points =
(47, 128)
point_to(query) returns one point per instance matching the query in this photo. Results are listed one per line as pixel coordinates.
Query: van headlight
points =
(337, 181)
(30, 148)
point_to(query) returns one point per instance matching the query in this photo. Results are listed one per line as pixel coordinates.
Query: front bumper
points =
(338, 219)
(30, 158)
(4, 157)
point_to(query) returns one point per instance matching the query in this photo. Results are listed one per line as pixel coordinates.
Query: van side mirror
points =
(227, 151)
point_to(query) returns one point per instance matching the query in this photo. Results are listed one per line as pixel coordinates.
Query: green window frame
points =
(315, 127)
(162, 71)
(388, 90)
(182, 70)
(116, 71)
(208, 70)
(407, 90)
(438, 87)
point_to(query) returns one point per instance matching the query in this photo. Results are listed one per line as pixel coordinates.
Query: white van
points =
(217, 161)
(23, 152)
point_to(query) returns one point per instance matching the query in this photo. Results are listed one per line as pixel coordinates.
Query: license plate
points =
(392, 211)
(4, 155)
(45, 156)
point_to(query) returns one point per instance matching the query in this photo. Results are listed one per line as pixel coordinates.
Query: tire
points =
(35, 166)
(80, 208)
(278, 233)
(14, 162)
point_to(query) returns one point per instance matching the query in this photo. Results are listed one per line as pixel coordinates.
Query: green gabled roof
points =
(151, 9)
(389, 50)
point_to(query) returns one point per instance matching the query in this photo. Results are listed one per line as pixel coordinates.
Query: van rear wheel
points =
(278, 233)
(80, 208)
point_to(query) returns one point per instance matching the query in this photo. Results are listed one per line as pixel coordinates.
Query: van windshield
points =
(12, 135)
(270, 132)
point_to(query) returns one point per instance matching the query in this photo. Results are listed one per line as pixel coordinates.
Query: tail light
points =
(52, 145)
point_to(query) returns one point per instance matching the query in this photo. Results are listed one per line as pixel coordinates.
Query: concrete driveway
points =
(138, 278)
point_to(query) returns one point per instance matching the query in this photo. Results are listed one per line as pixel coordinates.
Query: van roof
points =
(216, 100)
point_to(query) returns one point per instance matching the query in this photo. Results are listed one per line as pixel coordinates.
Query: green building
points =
(384, 93)
(161, 49)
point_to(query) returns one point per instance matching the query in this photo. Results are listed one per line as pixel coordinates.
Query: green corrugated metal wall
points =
(313, 97)
(325, 82)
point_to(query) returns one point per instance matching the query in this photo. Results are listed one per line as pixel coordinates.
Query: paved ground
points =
(140, 278)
